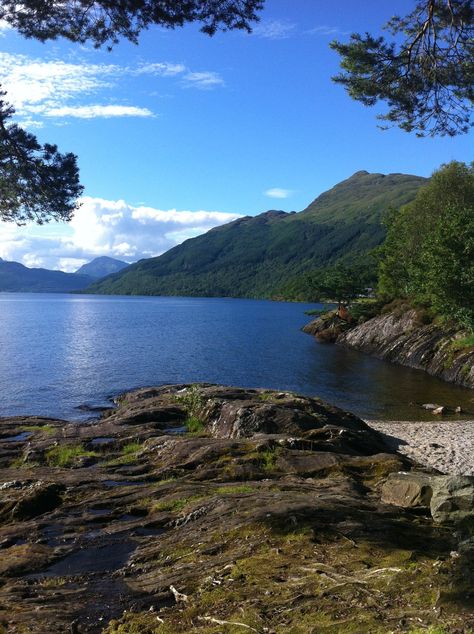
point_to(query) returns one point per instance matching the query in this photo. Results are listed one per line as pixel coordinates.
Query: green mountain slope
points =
(255, 256)
(102, 266)
(15, 277)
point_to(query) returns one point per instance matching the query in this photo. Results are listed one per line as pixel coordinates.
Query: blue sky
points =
(183, 131)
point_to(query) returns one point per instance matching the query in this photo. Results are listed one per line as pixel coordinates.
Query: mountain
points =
(255, 256)
(15, 277)
(100, 267)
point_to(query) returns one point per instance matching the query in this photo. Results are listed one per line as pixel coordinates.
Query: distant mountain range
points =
(16, 277)
(256, 256)
(102, 266)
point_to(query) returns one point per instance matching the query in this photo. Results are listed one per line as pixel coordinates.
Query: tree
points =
(106, 21)
(427, 79)
(337, 283)
(37, 182)
(428, 256)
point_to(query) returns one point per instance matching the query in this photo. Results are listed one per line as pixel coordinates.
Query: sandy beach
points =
(446, 446)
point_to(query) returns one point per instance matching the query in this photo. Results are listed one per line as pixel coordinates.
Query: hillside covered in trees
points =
(428, 256)
(258, 256)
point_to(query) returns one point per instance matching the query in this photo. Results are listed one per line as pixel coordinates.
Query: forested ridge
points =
(259, 256)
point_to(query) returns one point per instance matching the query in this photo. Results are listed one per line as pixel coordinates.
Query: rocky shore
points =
(401, 338)
(210, 509)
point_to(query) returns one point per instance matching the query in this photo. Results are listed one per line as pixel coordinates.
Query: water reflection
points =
(60, 351)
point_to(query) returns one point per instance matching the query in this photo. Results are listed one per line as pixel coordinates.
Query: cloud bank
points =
(105, 227)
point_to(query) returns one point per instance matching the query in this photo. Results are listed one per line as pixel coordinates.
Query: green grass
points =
(463, 344)
(174, 505)
(268, 459)
(194, 425)
(128, 453)
(243, 488)
(131, 447)
(266, 396)
(46, 429)
(66, 455)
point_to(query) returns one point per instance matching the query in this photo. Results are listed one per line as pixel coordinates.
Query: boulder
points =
(408, 490)
(453, 499)
(239, 413)
(450, 498)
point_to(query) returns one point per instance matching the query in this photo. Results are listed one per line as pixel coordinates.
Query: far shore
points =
(446, 446)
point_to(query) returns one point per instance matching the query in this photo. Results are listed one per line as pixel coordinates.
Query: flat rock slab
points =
(270, 515)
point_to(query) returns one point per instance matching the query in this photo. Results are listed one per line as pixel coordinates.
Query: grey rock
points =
(408, 490)
(450, 498)
(401, 338)
(453, 499)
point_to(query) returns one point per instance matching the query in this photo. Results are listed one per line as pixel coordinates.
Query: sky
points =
(183, 132)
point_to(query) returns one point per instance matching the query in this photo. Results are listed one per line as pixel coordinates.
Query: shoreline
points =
(447, 446)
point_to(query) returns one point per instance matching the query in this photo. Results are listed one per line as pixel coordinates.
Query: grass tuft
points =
(66, 455)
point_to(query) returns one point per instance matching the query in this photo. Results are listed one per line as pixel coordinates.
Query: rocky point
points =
(203, 508)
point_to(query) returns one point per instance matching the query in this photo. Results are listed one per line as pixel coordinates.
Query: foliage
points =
(428, 256)
(259, 256)
(191, 399)
(37, 182)
(426, 75)
(338, 283)
(106, 21)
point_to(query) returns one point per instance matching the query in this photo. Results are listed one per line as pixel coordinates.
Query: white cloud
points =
(274, 29)
(105, 227)
(34, 85)
(54, 88)
(91, 112)
(4, 27)
(203, 80)
(278, 192)
(165, 69)
(326, 30)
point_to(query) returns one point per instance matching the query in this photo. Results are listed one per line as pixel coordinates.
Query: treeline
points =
(427, 257)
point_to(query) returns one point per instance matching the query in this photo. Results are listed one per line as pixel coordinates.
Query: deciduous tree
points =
(428, 255)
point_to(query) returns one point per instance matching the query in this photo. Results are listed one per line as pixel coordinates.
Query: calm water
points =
(58, 352)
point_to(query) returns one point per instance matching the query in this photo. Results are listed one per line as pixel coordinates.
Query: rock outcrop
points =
(272, 515)
(400, 338)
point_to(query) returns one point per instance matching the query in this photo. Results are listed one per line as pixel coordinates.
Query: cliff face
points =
(400, 339)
